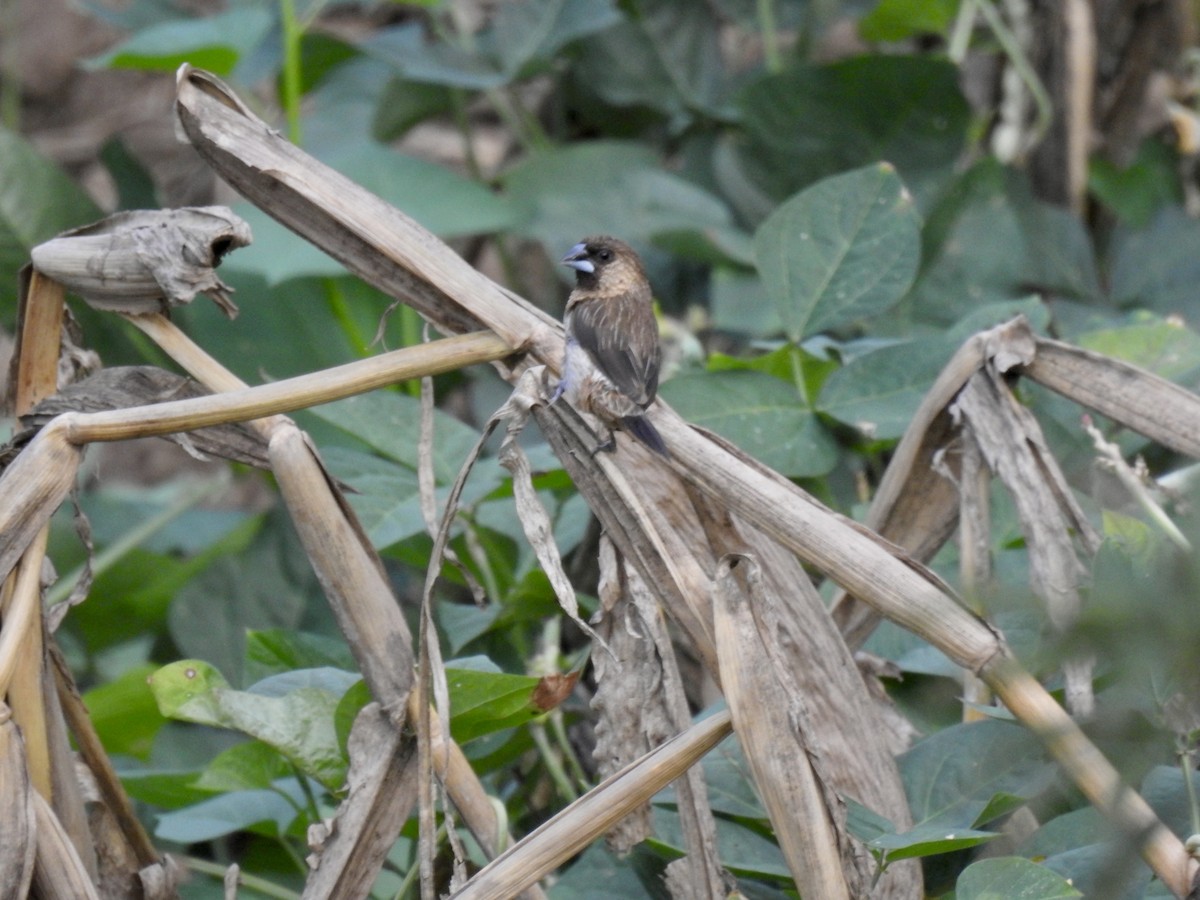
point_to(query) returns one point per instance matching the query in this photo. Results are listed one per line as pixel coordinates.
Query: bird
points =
(613, 356)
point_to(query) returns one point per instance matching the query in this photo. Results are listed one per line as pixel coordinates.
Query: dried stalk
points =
(592, 815)
(772, 725)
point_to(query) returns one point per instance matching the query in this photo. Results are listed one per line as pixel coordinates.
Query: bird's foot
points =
(608, 445)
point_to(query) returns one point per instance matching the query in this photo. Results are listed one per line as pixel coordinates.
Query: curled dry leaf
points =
(553, 689)
(146, 261)
(122, 387)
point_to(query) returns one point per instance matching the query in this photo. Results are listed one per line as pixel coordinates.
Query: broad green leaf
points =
(483, 702)
(952, 776)
(390, 423)
(1070, 831)
(278, 254)
(975, 251)
(878, 393)
(897, 20)
(249, 766)
(37, 201)
(928, 840)
(1088, 851)
(1164, 790)
(739, 303)
(1158, 266)
(348, 708)
(1137, 192)
(216, 43)
(1011, 878)
(555, 192)
(842, 250)
(164, 789)
(134, 596)
(271, 810)
(277, 650)
(405, 48)
(125, 714)
(447, 204)
(1166, 347)
(599, 875)
(525, 31)
(288, 329)
(811, 122)
(730, 788)
(1060, 250)
(764, 416)
(667, 58)
(299, 724)
(741, 850)
(461, 623)
(269, 585)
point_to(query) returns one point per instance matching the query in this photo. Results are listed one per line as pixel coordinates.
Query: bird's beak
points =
(577, 259)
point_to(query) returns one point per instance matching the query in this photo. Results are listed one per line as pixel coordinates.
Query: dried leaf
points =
(146, 261)
(123, 387)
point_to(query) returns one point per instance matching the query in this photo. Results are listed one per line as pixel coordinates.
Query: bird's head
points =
(605, 264)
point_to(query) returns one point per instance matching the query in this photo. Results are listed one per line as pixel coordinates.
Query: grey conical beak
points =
(577, 259)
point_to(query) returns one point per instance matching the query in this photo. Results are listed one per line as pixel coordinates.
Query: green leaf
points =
(125, 714)
(249, 766)
(556, 195)
(1011, 878)
(277, 650)
(811, 122)
(764, 416)
(37, 201)
(484, 702)
(216, 43)
(1166, 347)
(898, 20)
(299, 724)
(447, 204)
(529, 30)
(666, 58)
(522, 33)
(134, 596)
(1138, 191)
(879, 392)
(738, 302)
(599, 875)
(390, 422)
(236, 811)
(952, 776)
(928, 840)
(741, 850)
(348, 708)
(1158, 266)
(845, 249)
(975, 251)
(269, 585)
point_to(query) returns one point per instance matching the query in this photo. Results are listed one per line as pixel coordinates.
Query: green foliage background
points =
(821, 237)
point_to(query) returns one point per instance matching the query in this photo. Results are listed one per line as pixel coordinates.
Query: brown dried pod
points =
(146, 261)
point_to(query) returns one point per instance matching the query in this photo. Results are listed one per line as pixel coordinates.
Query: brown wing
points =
(620, 335)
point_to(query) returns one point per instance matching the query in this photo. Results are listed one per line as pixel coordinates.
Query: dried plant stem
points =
(22, 659)
(582, 822)
(92, 752)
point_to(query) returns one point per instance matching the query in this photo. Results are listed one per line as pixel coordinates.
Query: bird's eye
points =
(604, 254)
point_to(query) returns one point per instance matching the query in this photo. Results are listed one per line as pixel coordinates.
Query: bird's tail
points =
(640, 428)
